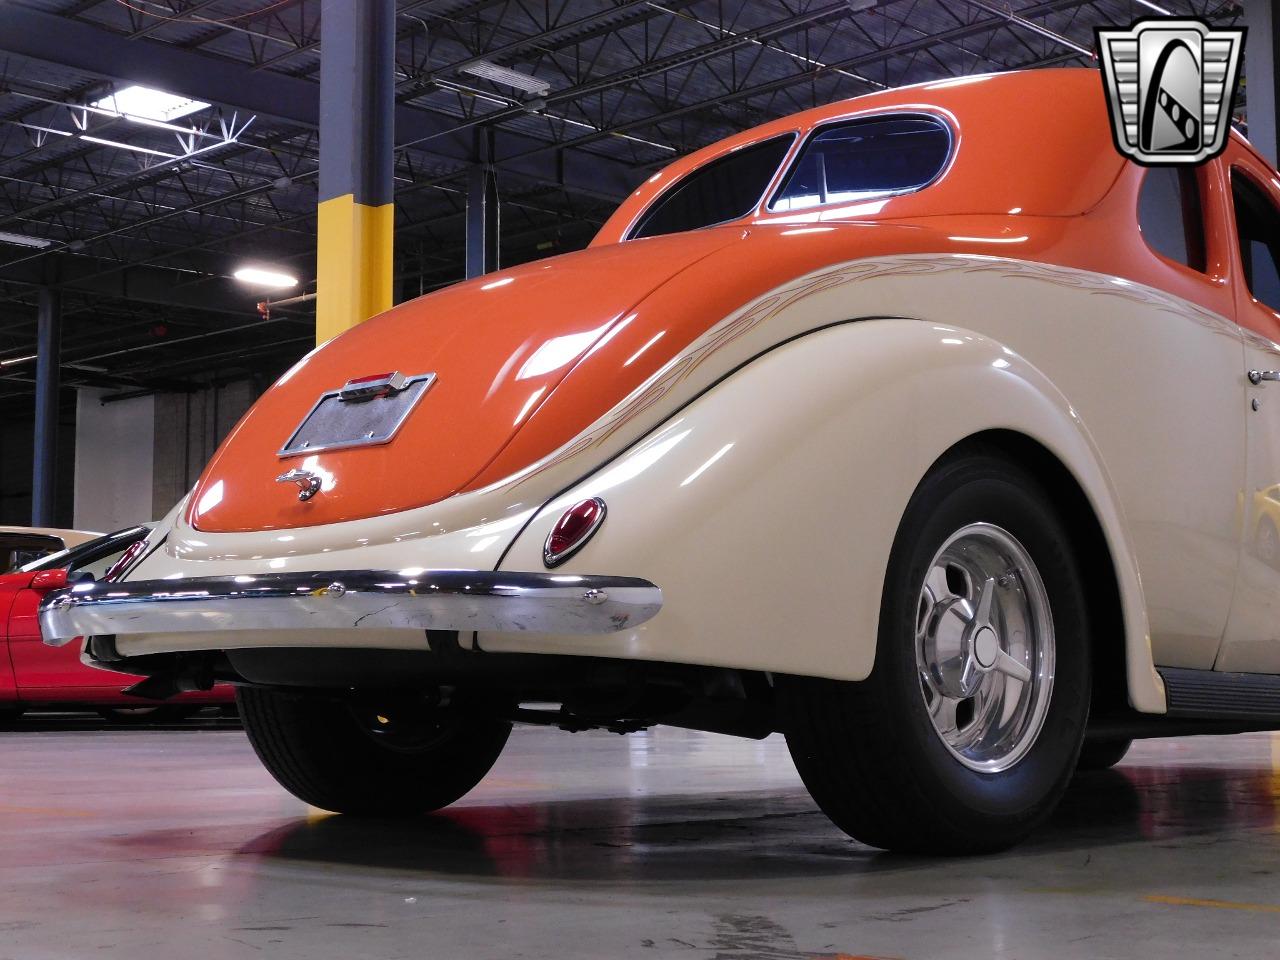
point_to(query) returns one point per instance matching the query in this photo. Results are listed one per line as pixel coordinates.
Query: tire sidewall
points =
(314, 746)
(987, 490)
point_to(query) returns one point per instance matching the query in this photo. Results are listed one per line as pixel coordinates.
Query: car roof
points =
(1036, 140)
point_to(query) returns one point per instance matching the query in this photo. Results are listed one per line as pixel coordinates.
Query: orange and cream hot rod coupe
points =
(918, 427)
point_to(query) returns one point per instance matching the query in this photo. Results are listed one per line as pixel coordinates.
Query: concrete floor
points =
(140, 843)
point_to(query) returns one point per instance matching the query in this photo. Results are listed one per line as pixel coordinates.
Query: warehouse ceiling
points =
(142, 223)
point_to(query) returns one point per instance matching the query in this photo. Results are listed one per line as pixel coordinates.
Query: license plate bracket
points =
(334, 423)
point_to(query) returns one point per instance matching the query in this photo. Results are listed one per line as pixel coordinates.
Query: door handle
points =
(1257, 376)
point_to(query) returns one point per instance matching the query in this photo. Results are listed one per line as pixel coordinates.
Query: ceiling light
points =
(507, 77)
(144, 103)
(14, 361)
(128, 146)
(22, 240)
(259, 277)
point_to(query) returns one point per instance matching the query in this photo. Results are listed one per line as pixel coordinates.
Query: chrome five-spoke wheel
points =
(985, 647)
(966, 732)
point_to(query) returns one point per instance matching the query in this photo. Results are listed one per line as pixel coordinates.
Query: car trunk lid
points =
(498, 346)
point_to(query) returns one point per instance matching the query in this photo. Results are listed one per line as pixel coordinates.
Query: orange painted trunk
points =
(499, 346)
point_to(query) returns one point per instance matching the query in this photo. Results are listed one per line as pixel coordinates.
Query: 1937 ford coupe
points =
(922, 427)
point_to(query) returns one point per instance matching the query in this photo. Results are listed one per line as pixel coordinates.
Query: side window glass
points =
(722, 190)
(847, 162)
(17, 549)
(1258, 228)
(1170, 216)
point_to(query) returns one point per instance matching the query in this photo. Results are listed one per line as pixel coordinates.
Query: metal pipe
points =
(810, 62)
(300, 298)
(1029, 25)
(45, 460)
(482, 209)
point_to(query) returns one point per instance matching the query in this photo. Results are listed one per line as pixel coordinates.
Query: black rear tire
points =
(9, 716)
(868, 751)
(381, 757)
(1102, 754)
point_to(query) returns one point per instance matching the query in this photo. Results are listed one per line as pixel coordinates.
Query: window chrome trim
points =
(943, 120)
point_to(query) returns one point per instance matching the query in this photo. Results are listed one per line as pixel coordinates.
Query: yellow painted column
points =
(356, 216)
(353, 263)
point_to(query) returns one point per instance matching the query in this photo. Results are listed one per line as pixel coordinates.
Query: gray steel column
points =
(482, 210)
(44, 480)
(1262, 79)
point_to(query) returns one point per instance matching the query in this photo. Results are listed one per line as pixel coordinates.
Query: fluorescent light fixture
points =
(128, 146)
(22, 240)
(258, 277)
(489, 70)
(14, 361)
(144, 103)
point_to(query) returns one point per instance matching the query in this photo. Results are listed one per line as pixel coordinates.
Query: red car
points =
(33, 675)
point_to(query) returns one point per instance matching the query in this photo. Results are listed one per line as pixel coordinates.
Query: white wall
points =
(188, 429)
(115, 445)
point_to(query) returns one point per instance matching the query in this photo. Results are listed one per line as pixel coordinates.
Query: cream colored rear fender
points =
(766, 508)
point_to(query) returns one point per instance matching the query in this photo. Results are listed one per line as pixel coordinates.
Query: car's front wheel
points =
(966, 733)
(384, 755)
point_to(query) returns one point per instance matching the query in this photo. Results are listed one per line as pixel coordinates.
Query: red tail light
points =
(572, 531)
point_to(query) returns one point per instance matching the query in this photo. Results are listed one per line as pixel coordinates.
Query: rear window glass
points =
(866, 158)
(722, 190)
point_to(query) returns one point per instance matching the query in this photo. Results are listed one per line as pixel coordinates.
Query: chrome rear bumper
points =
(463, 600)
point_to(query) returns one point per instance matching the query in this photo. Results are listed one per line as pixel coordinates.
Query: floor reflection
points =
(669, 838)
(761, 834)
(1157, 803)
(594, 846)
